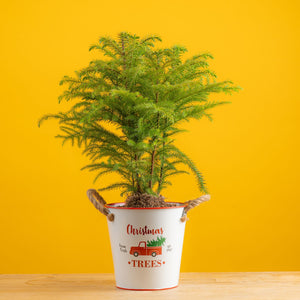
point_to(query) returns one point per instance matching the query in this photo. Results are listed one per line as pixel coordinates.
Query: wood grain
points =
(241, 286)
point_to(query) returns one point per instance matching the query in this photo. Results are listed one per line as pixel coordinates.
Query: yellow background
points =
(249, 154)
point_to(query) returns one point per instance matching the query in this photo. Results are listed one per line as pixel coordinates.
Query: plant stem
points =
(154, 150)
(161, 171)
(152, 166)
(139, 190)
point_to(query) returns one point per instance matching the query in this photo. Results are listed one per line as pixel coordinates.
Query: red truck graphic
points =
(142, 249)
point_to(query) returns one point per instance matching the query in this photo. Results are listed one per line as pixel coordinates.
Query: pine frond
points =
(121, 185)
(187, 161)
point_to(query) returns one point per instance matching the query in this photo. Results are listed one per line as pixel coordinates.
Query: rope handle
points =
(191, 204)
(99, 203)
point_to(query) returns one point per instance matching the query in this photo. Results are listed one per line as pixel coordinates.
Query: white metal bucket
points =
(138, 264)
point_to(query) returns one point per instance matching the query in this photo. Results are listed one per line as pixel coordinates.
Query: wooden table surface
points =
(233, 286)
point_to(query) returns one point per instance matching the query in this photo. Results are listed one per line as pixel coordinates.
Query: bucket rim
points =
(118, 205)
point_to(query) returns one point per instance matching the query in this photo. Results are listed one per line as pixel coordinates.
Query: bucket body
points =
(146, 246)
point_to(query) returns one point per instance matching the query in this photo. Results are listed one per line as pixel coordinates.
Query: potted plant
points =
(128, 108)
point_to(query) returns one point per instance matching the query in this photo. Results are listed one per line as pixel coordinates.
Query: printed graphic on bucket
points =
(153, 247)
(150, 247)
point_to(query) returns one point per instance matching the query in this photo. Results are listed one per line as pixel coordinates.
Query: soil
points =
(146, 200)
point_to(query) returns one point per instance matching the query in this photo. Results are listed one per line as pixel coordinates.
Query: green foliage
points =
(156, 243)
(127, 108)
